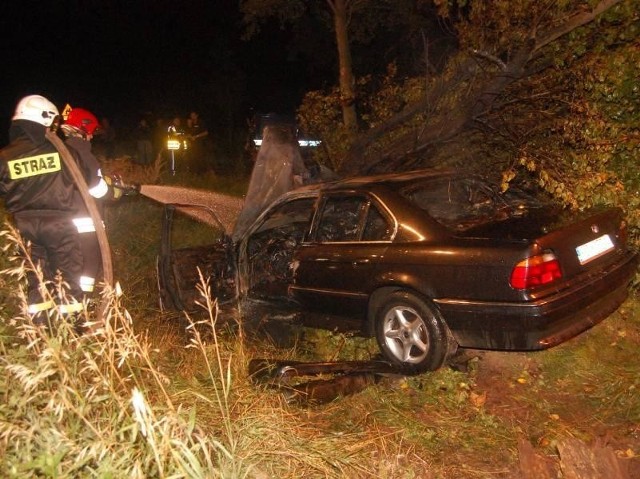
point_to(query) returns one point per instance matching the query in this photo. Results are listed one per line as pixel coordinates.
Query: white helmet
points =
(36, 108)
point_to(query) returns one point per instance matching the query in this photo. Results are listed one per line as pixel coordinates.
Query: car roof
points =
(377, 184)
(383, 179)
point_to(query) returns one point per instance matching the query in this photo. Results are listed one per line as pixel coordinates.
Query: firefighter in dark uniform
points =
(78, 128)
(47, 209)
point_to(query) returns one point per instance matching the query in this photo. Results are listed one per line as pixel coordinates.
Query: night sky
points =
(121, 59)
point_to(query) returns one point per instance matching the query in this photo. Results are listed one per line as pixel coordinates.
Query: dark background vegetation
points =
(126, 59)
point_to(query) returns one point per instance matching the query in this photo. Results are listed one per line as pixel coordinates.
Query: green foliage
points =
(571, 123)
(587, 153)
(575, 126)
(379, 99)
(321, 345)
(320, 115)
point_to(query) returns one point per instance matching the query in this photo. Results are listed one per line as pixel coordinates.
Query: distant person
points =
(199, 151)
(144, 147)
(177, 128)
(176, 133)
(106, 138)
(177, 124)
(159, 137)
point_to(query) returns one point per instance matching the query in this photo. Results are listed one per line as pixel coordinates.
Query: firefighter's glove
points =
(128, 189)
(119, 188)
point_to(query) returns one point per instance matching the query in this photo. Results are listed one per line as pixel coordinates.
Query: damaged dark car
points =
(427, 262)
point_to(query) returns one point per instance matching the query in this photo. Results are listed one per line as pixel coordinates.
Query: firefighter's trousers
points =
(60, 243)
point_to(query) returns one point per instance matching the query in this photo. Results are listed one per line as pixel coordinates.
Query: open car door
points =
(195, 246)
(193, 251)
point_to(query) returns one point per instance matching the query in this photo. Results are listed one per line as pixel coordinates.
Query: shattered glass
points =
(458, 204)
(342, 218)
(270, 248)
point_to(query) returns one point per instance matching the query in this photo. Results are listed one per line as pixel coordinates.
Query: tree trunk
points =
(347, 83)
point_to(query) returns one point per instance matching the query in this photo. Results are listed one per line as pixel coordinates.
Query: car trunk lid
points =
(582, 242)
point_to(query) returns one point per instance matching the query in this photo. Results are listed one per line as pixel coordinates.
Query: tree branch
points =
(492, 58)
(332, 6)
(479, 102)
(575, 21)
(356, 158)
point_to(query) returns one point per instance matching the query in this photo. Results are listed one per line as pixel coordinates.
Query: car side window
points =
(293, 217)
(352, 218)
(340, 220)
(377, 227)
(457, 203)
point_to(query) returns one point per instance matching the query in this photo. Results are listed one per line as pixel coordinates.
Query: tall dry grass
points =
(93, 405)
(101, 405)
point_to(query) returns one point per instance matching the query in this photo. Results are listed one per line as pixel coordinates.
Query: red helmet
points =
(83, 120)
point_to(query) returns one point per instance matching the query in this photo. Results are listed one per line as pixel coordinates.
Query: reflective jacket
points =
(33, 175)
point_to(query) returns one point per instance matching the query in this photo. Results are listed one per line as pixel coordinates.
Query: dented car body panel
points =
(447, 240)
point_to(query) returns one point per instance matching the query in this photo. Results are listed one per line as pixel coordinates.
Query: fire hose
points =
(92, 208)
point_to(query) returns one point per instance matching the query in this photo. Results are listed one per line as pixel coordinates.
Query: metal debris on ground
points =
(350, 377)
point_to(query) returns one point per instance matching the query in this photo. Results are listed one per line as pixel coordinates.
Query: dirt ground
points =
(503, 387)
(551, 411)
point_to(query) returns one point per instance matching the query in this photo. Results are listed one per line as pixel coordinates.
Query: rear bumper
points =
(543, 323)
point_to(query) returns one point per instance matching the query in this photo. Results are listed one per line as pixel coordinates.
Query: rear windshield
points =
(458, 203)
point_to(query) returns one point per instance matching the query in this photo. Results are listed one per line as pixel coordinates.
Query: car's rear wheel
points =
(411, 333)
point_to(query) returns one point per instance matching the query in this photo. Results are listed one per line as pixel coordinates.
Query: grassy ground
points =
(156, 395)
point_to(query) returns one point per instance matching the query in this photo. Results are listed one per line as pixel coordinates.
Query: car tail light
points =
(536, 271)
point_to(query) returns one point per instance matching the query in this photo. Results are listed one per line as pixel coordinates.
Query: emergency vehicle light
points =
(173, 144)
(310, 143)
(303, 143)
